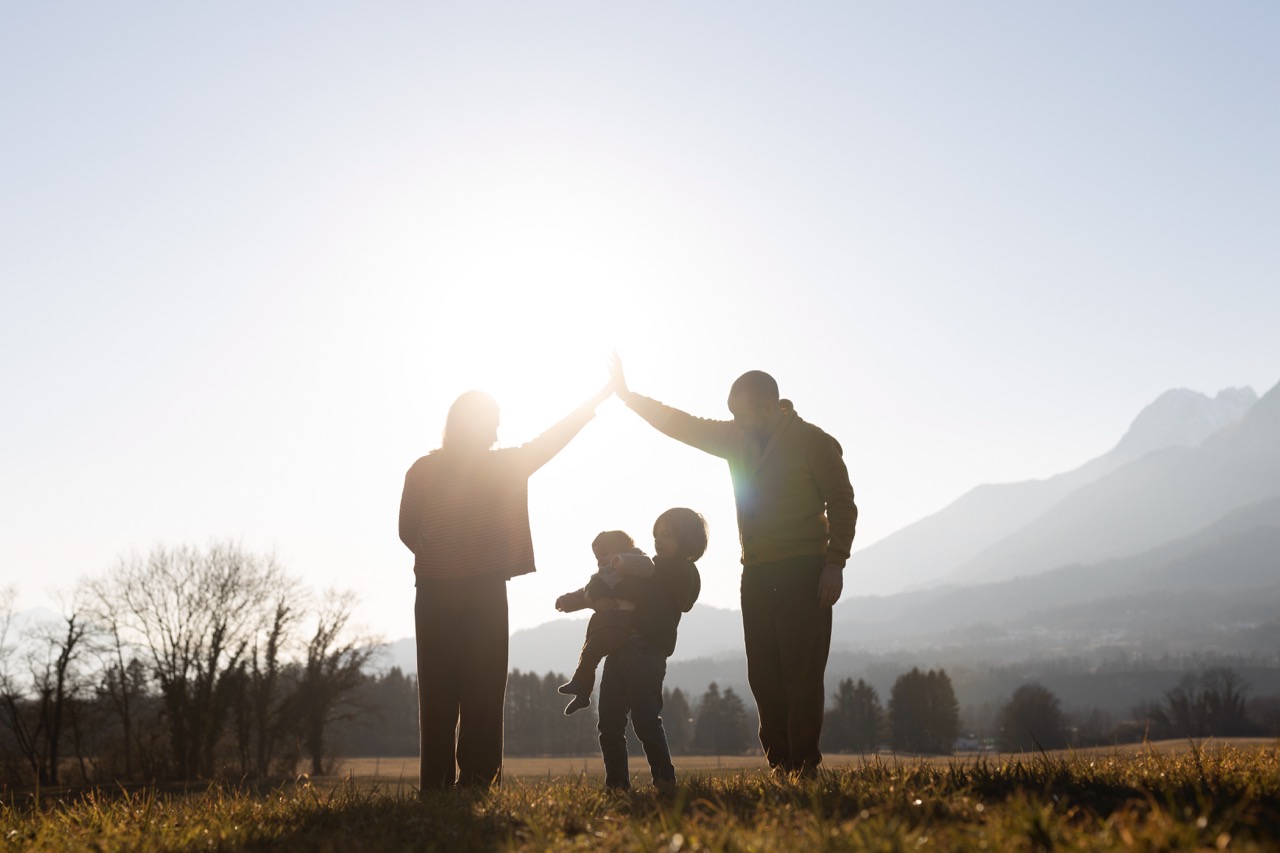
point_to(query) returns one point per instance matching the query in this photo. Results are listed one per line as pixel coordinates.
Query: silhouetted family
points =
(464, 514)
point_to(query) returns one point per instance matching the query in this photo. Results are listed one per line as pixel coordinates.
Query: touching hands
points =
(617, 383)
(617, 378)
(830, 585)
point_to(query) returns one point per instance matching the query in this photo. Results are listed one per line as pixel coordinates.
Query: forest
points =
(213, 663)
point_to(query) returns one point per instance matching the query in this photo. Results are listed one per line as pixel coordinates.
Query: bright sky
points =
(250, 253)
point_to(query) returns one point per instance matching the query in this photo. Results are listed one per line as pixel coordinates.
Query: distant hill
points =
(1213, 593)
(400, 653)
(1227, 575)
(705, 632)
(1156, 498)
(27, 625)
(938, 545)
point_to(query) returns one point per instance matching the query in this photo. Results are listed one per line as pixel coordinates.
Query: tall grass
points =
(1211, 799)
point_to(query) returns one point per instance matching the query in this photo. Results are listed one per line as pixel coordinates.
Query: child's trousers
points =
(632, 683)
(607, 632)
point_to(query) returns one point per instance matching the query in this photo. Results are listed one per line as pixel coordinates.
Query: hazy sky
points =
(250, 253)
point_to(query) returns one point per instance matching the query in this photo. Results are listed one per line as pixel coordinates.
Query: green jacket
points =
(793, 496)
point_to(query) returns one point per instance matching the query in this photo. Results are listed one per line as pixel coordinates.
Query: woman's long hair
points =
(472, 423)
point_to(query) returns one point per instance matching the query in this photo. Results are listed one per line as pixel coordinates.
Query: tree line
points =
(717, 722)
(184, 663)
(921, 716)
(199, 663)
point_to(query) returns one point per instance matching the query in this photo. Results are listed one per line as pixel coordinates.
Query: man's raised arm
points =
(711, 436)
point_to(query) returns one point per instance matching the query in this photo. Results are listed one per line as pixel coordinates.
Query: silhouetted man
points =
(796, 520)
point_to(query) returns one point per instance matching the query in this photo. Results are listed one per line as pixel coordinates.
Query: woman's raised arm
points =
(543, 449)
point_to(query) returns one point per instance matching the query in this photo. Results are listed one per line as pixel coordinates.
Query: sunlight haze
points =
(250, 254)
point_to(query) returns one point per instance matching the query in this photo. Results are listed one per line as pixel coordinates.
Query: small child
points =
(623, 572)
(631, 684)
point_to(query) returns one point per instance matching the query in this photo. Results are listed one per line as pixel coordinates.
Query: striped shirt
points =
(466, 514)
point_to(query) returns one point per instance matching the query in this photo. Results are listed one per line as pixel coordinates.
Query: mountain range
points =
(1161, 495)
(955, 541)
(1228, 569)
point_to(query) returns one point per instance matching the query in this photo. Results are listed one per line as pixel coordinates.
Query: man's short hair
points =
(757, 384)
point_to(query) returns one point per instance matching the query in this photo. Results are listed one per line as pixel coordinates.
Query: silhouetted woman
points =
(465, 516)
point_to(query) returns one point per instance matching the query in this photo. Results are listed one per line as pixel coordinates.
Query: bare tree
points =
(35, 710)
(123, 678)
(1211, 702)
(8, 597)
(25, 729)
(261, 700)
(330, 674)
(196, 613)
(57, 682)
(1225, 694)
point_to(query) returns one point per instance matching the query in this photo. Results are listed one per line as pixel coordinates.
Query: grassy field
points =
(1192, 797)
(567, 768)
(404, 771)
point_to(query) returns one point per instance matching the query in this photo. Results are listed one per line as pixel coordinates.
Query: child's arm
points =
(571, 601)
(633, 565)
(599, 587)
(626, 588)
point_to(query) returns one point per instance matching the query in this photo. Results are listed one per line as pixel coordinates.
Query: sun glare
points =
(532, 300)
(520, 276)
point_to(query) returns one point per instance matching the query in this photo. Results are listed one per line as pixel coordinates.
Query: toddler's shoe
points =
(581, 696)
